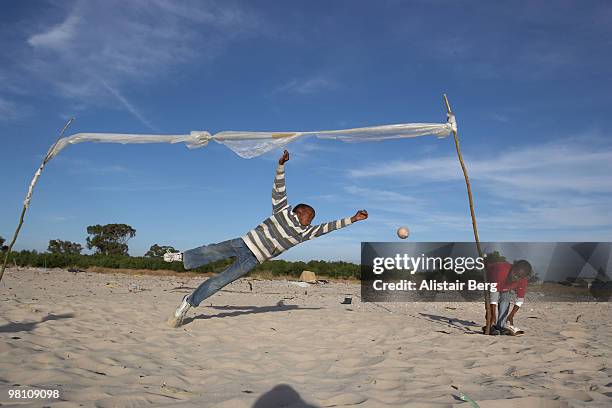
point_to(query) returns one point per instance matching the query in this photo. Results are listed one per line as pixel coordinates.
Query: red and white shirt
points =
(498, 272)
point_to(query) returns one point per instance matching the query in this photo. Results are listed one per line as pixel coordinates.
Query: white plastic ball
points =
(403, 232)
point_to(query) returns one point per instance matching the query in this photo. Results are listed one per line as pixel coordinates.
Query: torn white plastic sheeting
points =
(194, 140)
(452, 121)
(252, 144)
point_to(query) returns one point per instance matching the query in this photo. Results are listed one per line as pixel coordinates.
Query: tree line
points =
(109, 244)
(109, 239)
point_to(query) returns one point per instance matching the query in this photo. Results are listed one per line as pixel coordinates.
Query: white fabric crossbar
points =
(253, 144)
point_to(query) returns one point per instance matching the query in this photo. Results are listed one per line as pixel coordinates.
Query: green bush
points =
(276, 267)
(336, 269)
(50, 260)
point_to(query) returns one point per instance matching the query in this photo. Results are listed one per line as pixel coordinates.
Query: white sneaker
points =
(173, 257)
(177, 318)
(514, 330)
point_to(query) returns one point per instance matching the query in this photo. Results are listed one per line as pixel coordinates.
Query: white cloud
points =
(385, 196)
(499, 117)
(563, 186)
(58, 36)
(140, 187)
(553, 216)
(390, 209)
(562, 166)
(84, 166)
(504, 52)
(307, 86)
(100, 50)
(129, 106)
(8, 110)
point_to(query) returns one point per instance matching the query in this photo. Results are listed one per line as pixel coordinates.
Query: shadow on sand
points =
(233, 311)
(282, 395)
(21, 327)
(464, 325)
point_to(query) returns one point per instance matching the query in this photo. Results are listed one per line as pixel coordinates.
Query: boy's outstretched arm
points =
(279, 193)
(328, 227)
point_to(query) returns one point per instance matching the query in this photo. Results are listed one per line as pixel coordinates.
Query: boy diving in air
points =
(285, 228)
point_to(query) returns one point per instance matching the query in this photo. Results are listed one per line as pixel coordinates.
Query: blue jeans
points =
(245, 261)
(503, 309)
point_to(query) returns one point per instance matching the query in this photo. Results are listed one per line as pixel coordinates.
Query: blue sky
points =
(530, 83)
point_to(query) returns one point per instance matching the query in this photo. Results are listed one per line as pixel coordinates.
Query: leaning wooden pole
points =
(26, 203)
(487, 295)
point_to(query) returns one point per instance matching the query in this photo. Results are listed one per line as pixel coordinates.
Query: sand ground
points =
(102, 340)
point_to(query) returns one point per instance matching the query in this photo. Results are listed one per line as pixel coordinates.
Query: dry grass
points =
(160, 272)
(263, 275)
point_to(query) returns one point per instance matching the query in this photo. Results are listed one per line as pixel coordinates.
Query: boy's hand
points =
(284, 158)
(359, 216)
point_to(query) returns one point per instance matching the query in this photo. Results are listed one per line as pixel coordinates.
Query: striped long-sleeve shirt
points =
(283, 230)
